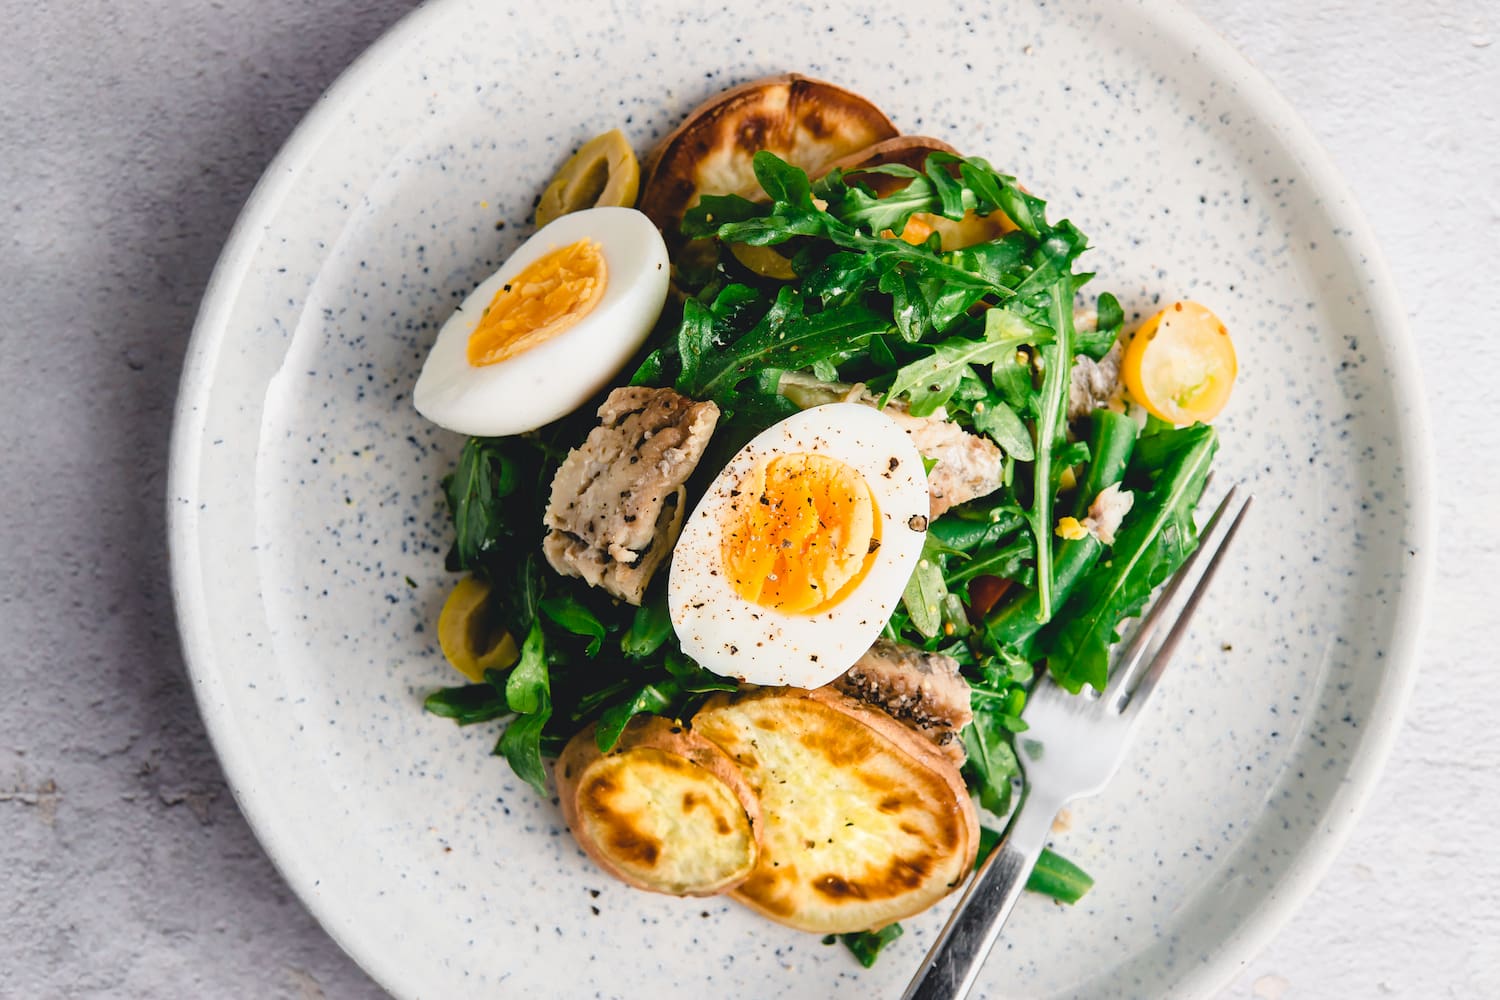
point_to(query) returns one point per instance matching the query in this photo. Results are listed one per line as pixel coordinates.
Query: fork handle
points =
(953, 963)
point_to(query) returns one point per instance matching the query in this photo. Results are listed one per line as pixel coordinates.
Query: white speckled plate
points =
(307, 529)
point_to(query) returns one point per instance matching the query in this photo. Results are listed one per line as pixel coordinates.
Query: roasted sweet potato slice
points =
(912, 151)
(665, 810)
(865, 821)
(808, 123)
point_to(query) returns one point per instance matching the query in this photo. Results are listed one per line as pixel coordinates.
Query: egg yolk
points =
(550, 294)
(800, 533)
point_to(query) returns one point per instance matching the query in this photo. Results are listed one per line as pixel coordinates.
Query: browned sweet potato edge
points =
(905, 739)
(662, 734)
(654, 198)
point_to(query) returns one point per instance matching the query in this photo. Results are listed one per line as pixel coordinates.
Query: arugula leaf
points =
(930, 382)
(954, 199)
(935, 190)
(925, 591)
(997, 696)
(668, 695)
(858, 206)
(946, 287)
(791, 215)
(929, 293)
(696, 337)
(969, 527)
(528, 687)
(496, 496)
(866, 945)
(908, 305)
(1111, 443)
(715, 210)
(484, 476)
(1157, 536)
(1012, 381)
(1001, 191)
(1004, 263)
(652, 370)
(592, 701)
(521, 746)
(988, 840)
(928, 603)
(1051, 268)
(651, 626)
(955, 616)
(786, 184)
(1065, 457)
(655, 698)
(1109, 318)
(1051, 427)
(528, 692)
(695, 679)
(991, 766)
(707, 328)
(467, 704)
(568, 612)
(784, 339)
(792, 210)
(1004, 561)
(1014, 625)
(994, 418)
(840, 278)
(940, 292)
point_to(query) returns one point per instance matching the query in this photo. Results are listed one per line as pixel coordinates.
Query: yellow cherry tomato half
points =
(1180, 364)
(469, 638)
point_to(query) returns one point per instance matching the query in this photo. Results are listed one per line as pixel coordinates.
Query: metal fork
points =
(1072, 748)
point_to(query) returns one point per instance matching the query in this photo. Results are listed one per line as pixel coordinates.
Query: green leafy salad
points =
(1086, 507)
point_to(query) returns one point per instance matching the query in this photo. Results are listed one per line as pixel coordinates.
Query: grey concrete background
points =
(129, 137)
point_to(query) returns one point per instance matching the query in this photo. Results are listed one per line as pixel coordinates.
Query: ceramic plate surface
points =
(308, 530)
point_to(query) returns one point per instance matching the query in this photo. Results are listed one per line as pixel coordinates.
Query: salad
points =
(781, 491)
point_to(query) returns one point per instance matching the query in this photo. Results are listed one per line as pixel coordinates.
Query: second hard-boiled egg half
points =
(791, 564)
(549, 329)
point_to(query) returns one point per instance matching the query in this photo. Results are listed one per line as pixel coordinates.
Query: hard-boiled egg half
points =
(790, 565)
(549, 329)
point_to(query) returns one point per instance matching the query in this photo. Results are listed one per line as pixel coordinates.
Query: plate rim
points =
(1172, 18)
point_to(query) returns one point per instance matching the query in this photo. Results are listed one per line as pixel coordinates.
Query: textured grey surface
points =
(128, 140)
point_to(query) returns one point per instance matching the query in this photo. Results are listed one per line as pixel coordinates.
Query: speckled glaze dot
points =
(308, 527)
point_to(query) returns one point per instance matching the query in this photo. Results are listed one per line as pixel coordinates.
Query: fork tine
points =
(1135, 651)
(1125, 686)
(1162, 653)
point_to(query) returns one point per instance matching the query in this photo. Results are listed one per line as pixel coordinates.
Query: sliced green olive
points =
(603, 172)
(468, 636)
(764, 261)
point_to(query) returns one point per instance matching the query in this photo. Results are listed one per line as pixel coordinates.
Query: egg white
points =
(553, 378)
(737, 638)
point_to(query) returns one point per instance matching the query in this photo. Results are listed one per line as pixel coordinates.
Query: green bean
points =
(1111, 443)
(1056, 876)
(1018, 621)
